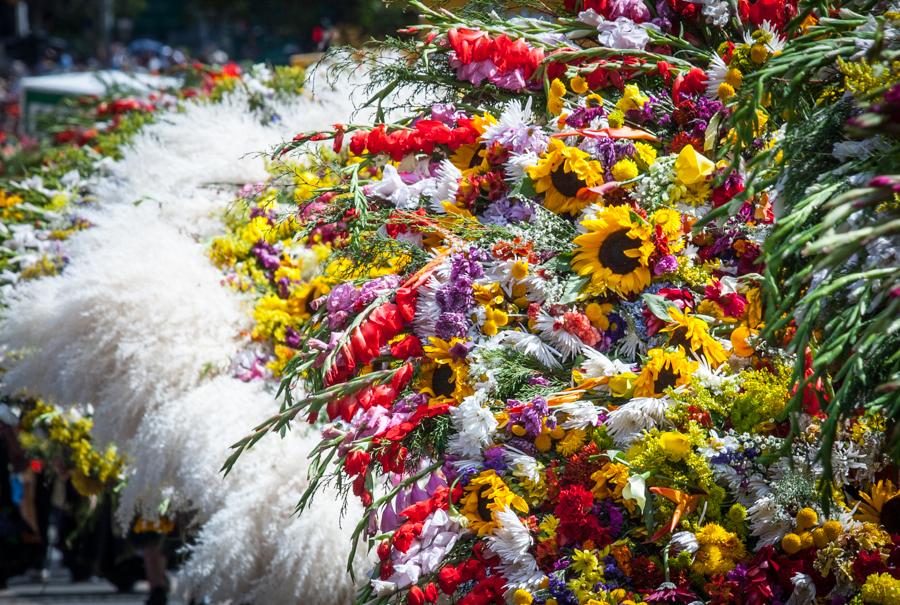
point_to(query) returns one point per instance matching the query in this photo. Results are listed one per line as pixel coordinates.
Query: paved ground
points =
(57, 590)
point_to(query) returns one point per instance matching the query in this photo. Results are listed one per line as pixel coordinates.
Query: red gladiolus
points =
(415, 596)
(357, 462)
(449, 579)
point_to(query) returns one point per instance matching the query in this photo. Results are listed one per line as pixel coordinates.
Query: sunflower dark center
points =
(890, 515)
(594, 103)
(678, 337)
(666, 378)
(483, 511)
(442, 381)
(566, 183)
(476, 156)
(613, 249)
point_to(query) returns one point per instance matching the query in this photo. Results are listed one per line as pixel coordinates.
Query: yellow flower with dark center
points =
(562, 174)
(470, 158)
(446, 375)
(593, 100)
(881, 505)
(662, 370)
(615, 252)
(692, 333)
(485, 495)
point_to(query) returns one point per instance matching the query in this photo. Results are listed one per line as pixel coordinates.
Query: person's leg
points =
(155, 568)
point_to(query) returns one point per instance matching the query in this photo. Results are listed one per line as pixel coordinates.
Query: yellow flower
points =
(584, 561)
(446, 375)
(692, 333)
(725, 91)
(578, 85)
(719, 552)
(872, 505)
(662, 370)
(759, 53)
(670, 221)
(572, 442)
(599, 315)
(610, 480)
(484, 496)
(624, 170)
(563, 174)
(616, 119)
(675, 445)
(621, 384)
(632, 99)
(734, 77)
(615, 251)
(691, 167)
(522, 597)
(554, 97)
(494, 319)
(470, 158)
(881, 588)
(9, 200)
(645, 154)
(739, 343)
(806, 518)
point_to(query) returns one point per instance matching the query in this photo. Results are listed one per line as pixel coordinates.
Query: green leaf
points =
(659, 306)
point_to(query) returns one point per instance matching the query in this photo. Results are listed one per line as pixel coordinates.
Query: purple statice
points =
(611, 517)
(526, 446)
(583, 116)
(341, 303)
(266, 255)
(269, 215)
(539, 381)
(609, 151)
(455, 298)
(409, 403)
(460, 350)
(377, 287)
(506, 211)
(493, 458)
(284, 287)
(559, 591)
(531, 415)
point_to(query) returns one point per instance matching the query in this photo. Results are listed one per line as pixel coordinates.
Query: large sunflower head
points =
(615, 252)
(881, 505)
(470, 158)
(692, 333)
(445, 374)
(563, 175)
(662, 370)
(485, 496)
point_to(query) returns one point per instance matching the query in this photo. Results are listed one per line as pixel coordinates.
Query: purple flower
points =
(635, 10)
(446, 113)
(377, 287)
(493, 458)
(292, 337)
(665, 264)
(266, 255)
(531, 416)
(341, 301)
(451, 325)
(506, 211)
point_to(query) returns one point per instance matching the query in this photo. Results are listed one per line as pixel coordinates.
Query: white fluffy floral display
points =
(139, 326)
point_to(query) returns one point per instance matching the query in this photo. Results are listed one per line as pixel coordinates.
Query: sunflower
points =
(662, 370)
(446, 374)
(692, 333)
(562, 174)
(485, 496)
(615, 251)
(470, 158)
(881, 505)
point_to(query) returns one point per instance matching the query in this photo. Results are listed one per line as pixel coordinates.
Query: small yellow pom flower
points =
(759, 53)
(882, 589)
(791, 543)
(807, 518)
(819, 537)
(725, 91)
(624, 170)
(616, 119)
(675, 445)
(833, 529)
(734, 77)
(554, 98)
(522, 597)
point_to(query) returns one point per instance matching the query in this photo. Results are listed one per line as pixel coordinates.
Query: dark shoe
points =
(158, 596)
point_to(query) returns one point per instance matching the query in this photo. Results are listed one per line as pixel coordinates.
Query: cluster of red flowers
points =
(122, 106)
(472, 46)
(421, 138)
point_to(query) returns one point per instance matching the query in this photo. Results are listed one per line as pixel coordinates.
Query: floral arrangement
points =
(569, 352)
(64, 439)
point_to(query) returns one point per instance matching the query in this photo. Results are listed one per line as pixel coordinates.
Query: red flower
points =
(449, 579)
(357, 462)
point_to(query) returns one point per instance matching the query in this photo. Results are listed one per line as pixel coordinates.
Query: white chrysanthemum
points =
(511, 543)
(516, 130)
(475, 426)
(768, 522)
(522, 465)
(516, 165)
(579, 414)
(804, 592)
(596, 364)
(446, 184)
(684, 541)
(551, 331)
(634, 417)
(531, 345)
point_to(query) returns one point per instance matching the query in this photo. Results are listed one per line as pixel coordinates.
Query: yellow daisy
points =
(881, 505)
(615, 252)
(662, 370)
(562, 175)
